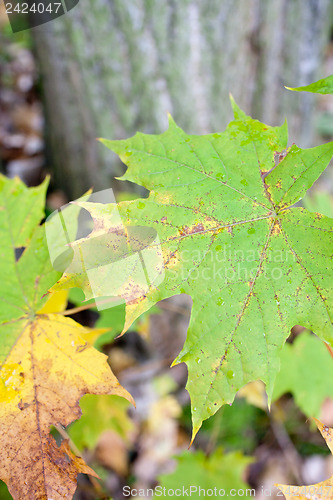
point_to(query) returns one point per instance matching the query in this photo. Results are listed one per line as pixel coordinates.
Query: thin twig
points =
(215, 432)
(162, 305)
(64, 434)
(287, 447)
(78, 309)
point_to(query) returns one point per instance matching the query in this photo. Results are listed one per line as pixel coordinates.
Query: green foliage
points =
(303, 375)
(4, 493)
(323, 86)
(238, 427)
(254, 266)
(23, 281)
(222, 471)
(100, 413)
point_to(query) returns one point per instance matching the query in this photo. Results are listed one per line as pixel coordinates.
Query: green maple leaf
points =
(25, 280)
(253, 266)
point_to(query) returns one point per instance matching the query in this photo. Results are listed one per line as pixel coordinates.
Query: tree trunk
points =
(112, 67)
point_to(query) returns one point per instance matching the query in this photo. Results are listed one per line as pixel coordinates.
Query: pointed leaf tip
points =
(317, 422)
(323, 86)
(102, 140)
(171, 121)
(238, 113)
(195, 431)
(232, 100)
(107, 142)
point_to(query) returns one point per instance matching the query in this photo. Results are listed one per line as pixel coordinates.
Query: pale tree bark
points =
(112, 67)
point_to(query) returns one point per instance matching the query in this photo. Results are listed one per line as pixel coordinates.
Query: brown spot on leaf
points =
(183, 231)
(197, 228)
(276, 227)
(81, 348)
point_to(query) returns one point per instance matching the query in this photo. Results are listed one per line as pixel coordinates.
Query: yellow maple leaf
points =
(45, 374)
(319, 491)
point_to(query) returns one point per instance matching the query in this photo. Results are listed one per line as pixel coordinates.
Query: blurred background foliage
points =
(109, 68)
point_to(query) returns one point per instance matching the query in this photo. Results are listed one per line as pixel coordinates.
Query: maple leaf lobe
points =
(254, 265)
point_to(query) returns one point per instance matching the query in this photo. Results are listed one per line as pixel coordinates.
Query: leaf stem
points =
(78, 309)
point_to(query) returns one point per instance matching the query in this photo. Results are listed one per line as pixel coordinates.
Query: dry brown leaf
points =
(112, 452)
(255, 394)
